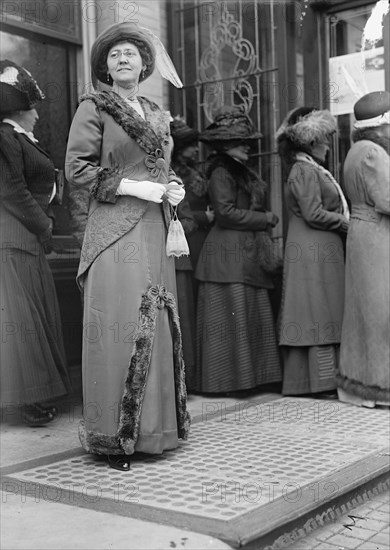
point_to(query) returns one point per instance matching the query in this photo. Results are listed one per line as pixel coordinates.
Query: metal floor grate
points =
(287, 450)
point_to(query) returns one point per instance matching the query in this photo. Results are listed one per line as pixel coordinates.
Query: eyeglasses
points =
(116, 54)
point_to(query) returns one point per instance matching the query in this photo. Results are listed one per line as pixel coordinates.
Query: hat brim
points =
(12, 99)
(222, 137)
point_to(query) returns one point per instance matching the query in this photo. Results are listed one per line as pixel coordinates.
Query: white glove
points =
(146, 190)
(175, 193)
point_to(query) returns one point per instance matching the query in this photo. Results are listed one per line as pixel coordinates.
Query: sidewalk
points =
(251, 466)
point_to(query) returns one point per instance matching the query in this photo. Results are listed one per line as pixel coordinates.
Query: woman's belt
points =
(365, 212)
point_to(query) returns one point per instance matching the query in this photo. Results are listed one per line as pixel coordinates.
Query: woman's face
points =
(320, 150)
(27, 119)
(124, 64)
(190, 152)
(239, 152)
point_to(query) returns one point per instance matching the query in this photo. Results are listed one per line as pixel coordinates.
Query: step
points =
(247, 470)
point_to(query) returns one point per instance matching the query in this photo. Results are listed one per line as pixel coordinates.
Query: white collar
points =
(20, 129)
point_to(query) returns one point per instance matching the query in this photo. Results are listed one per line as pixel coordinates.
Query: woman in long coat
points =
(33, 364)
(313, 276)
(122, 188)
(196, 217)
(236, 341)
(364, 376)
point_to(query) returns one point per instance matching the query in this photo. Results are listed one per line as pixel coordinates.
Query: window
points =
(356, 67)
(226, 55)
(44, 36)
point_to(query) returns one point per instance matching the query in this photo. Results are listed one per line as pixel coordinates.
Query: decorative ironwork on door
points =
(226, 54)
(227, 34)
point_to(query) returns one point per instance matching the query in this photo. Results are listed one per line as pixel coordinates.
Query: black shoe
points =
(33, 417)
(325, 395)
(51, 412)
(119, 462)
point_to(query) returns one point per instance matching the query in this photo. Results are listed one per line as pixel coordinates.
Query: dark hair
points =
(145, 54)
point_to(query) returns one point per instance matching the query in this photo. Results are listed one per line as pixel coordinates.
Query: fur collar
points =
(150, 134)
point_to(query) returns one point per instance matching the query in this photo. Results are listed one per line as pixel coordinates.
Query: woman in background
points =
(364, 375)
(236, 341)
(313, 277)
(33, 366)
(196, 217)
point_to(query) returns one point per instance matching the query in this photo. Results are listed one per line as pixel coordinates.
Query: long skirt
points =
(33, 365)
(112, 298)
(365, 343)
(309, 369)
(236, 340)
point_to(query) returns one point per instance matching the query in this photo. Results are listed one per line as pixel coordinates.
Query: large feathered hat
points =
(154, 53)
(18, 90)
(306, 126)
(230, 124)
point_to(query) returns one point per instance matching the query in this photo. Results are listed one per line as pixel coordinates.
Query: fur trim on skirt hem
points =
(374, 393)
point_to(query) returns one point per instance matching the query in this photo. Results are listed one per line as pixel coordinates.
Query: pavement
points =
(259, 471)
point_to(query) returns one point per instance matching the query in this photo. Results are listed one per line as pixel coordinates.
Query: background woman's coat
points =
(236, 341)
(313, 277)
(365, 343)
(33, 365)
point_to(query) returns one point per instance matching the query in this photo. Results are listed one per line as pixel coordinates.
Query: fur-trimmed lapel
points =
(132, 123)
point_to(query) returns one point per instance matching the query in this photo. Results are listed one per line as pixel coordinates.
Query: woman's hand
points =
(175, 193)
(272, 219)
(146, 190)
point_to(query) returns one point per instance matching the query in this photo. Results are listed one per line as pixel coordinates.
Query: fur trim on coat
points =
(155, 298)
(354, 387)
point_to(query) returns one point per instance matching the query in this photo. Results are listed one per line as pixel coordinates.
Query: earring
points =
(108, 77)
(143, 73)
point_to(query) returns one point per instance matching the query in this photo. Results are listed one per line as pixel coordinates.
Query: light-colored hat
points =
(372, 110)
(307, 128)
(18, 90)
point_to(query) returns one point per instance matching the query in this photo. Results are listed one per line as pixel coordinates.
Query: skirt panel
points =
(113, 291)
(236, 341)
(33, 364)
(309, 369)
(186, 308)
(365, 344)
(312, 302)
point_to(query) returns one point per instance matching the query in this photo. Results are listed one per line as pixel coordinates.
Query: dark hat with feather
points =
(18, 90)
(231, 124)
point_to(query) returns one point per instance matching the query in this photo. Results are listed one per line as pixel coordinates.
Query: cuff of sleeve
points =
(173, 178)
(104, 190)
